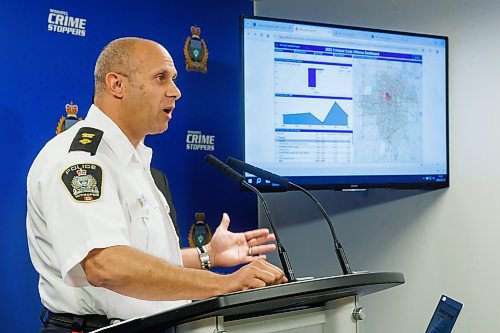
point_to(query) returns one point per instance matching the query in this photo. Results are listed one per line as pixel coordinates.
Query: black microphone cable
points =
(285, 183)
(239, 179)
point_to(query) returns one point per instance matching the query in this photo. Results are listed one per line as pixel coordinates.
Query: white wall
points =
(445, 241)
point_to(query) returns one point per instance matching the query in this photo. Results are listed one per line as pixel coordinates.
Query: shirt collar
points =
(117, 140)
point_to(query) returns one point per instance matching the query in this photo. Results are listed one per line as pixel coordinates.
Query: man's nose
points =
(174, 91)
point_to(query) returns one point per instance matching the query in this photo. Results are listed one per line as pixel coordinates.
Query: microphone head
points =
(224, 168)
(258, 172)
(211, 159)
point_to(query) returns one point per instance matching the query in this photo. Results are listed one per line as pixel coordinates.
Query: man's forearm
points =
(130, 272)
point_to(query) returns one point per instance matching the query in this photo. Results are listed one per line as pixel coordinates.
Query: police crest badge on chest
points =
(83, 181)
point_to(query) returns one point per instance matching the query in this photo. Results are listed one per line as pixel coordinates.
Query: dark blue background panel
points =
(43, 70)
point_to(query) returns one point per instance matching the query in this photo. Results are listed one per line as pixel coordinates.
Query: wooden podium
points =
(309, 306)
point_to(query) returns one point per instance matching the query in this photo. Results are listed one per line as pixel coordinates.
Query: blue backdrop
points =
(44, 70)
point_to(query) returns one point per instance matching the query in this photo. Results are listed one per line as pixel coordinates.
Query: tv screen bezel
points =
(349, 183)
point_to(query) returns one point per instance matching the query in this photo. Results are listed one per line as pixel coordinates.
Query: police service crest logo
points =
(83, 181)
(70, 119)
(199, 233)
(196, 52)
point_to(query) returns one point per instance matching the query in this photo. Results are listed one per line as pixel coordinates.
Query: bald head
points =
(135, 86)
(117, 57)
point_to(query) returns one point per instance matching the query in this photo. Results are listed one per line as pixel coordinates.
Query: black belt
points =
(76, 323)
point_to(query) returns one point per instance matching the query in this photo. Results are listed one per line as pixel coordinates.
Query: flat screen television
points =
(340, 107)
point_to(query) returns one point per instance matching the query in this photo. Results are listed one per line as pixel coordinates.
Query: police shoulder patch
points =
(83, 181)
(87, 139)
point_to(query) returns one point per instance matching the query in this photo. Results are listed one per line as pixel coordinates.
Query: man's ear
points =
(115, 84)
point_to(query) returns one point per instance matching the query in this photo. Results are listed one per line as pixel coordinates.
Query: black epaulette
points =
(87, 139)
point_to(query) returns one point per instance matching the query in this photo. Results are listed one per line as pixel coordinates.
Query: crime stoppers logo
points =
(195, 140)
(60, 21)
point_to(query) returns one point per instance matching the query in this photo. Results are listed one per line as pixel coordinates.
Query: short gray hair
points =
(116, 57)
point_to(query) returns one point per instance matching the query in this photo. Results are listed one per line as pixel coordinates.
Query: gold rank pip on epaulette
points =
(87, 139)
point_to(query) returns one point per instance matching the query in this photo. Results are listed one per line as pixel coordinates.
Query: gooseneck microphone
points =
(285, 183)
(240, 180)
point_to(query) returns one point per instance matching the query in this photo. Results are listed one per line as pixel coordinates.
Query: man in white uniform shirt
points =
(99, 230)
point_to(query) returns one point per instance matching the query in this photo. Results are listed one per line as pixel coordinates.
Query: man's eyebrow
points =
(166, 72)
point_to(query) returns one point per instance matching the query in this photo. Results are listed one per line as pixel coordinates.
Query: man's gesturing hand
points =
(228, 249)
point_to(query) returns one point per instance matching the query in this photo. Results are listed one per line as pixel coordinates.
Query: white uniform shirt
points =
(62, 231)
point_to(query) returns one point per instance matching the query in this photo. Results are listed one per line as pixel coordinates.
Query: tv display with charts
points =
(338, 107)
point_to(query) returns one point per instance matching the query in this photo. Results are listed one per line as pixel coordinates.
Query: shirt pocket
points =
(140, 215)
